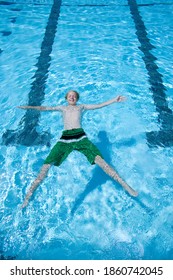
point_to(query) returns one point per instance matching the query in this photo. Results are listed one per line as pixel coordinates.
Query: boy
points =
(74, 138)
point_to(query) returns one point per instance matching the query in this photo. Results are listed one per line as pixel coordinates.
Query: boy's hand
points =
(120, 98)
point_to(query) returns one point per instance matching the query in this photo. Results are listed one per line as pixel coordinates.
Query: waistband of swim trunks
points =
(73, 132)
(73, 135)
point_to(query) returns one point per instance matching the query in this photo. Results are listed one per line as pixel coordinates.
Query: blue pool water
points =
(102, 49)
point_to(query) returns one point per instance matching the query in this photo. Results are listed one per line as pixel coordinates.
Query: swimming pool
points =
(101, 50)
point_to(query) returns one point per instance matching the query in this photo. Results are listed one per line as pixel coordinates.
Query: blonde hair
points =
(77, 94)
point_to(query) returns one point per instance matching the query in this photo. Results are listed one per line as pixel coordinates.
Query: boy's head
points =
(72, 97)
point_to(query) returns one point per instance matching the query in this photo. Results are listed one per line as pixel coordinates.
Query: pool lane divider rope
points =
(26, 133)
(164, 136)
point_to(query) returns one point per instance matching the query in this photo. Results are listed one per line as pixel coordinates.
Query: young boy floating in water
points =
(74, 138)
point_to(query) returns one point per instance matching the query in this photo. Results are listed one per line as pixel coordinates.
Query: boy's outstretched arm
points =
(41, 108)
(106, 103)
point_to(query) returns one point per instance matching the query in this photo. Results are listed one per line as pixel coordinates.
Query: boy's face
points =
(71, 98)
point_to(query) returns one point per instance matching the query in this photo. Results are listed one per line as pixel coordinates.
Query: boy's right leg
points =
(43, 172)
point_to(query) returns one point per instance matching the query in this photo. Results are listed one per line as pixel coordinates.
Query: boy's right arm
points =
(41, 108)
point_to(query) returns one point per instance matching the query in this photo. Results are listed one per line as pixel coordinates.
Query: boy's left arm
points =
(119, 98)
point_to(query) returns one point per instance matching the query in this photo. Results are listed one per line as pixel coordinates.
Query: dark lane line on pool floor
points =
(163, 137)
(26, 133)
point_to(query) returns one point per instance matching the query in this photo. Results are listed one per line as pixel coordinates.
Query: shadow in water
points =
(145, 207)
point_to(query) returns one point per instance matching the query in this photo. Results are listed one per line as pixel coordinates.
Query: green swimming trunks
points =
(74, 139)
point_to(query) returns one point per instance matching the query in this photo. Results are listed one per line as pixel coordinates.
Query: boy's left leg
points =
(113, 174)
(93, 155)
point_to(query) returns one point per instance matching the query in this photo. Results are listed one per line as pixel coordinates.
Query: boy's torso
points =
(72, 116)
